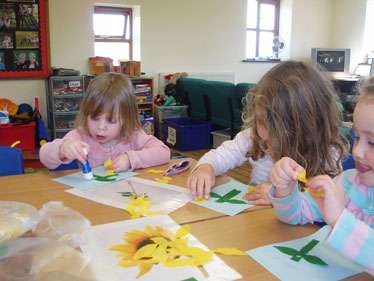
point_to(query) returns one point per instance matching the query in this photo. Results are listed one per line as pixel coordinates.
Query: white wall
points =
(192, 36)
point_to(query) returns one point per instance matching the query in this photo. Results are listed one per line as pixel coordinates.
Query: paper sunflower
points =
(159, 246)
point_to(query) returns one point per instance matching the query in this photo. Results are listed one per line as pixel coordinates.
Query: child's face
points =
(105, 132)
(363, 148)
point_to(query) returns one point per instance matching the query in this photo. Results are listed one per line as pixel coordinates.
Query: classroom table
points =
(252, 228)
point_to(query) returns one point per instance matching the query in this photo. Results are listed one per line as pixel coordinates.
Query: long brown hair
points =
(296, 103)
(110, 93)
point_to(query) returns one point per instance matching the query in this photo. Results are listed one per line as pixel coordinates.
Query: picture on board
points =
(6, 40)
(24, 39)
(29, 16)
(7, 16)
(27, 39)
(2, 64)
(26, 60)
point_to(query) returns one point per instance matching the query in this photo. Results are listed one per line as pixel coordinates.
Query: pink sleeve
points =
(147, 151)
(49, 152)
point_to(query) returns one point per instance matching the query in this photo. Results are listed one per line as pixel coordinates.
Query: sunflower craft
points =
(302, 177)
(159, 246)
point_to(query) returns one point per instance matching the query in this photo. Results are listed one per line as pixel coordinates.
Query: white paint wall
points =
(192, 36)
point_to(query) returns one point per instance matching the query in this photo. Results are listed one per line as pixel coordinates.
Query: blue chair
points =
(348, 162)
(70, 166)
(11, 161)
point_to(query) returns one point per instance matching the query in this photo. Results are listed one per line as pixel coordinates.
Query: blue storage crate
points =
(187, 133)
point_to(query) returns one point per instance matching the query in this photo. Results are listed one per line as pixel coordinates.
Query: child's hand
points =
(120, 163)
(260, 195)
(201, 181)
(332, 203)
(73, 149)
(284, 176)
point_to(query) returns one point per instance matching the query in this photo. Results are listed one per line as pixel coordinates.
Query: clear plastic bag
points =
(62, 224)
(16, 218)
(42, 259)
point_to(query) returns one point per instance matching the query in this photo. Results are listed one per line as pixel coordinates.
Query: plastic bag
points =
(16, 218)
(62, 223)
(42, 259)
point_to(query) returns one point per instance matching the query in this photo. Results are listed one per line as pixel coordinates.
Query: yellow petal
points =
(144, 268)
(178, 262)
(160, 240)
(202, 259)
(251, 188)
(154, 213)
(161, 180)
(110, 171)
(230, 252)
(183, 231)
(156, 171)
(202, 200)
(302, 176)
(108, 163)
(318, 193)
(145, 251)
(167, 178)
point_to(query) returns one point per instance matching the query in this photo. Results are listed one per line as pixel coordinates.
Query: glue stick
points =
(86, 169)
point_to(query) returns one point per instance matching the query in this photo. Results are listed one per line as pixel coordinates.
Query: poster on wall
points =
(24, 39)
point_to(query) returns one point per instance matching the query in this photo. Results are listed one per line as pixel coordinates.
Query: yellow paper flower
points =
(108, 163)
(156, 171)
(159, 246)
(139, 207)
(202, 200)
(302, 176)
(318, 193)
(164, 179)
(251, 188)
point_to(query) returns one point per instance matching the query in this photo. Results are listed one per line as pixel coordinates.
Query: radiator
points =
(212, 76)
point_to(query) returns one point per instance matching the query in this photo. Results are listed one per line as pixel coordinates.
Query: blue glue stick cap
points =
(86, 169)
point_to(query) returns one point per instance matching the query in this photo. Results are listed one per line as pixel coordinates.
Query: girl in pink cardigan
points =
(108, 126)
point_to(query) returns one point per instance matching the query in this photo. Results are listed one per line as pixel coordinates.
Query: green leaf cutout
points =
(227, 197)
(302, 254)
(105, 178)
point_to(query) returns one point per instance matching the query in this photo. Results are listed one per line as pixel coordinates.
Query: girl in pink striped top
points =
(347, 203)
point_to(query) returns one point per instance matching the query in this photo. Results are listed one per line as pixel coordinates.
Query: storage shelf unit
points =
(143, 88)
(64, 96)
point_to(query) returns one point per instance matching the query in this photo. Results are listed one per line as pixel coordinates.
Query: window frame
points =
(258, 30)
(127, 12)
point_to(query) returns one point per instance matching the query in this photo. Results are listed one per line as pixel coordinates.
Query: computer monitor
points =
(334, 60)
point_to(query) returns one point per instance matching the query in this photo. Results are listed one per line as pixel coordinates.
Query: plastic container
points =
(166, 112)
(187, 133)
(220, 136)
(23, 133)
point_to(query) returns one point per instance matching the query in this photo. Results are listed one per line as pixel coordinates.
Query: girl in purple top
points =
(108, 126)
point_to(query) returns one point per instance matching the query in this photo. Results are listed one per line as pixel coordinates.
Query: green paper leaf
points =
(304, 250)
(215, 195)
(288, 251)
(314, 260)
(231, 194)
(234, 201)
(296, 258)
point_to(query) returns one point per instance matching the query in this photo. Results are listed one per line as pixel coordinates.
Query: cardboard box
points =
(23, 133)
(130, 68)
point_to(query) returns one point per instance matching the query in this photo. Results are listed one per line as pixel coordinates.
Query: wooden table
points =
(250, 229)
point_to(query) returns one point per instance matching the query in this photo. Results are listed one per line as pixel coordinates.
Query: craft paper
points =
(78, 181)
(164, 197)
(226, 207)
(102, 237)
(282, 266)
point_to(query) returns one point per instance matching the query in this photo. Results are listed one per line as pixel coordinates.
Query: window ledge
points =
(261, 60)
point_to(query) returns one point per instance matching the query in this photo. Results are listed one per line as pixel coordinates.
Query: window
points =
(262, 26)
(113, 33)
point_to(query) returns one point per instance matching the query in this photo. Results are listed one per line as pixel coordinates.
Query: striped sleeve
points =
(354, 239)
(298, 208)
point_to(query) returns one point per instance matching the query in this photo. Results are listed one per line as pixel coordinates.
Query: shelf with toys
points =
(64, 96)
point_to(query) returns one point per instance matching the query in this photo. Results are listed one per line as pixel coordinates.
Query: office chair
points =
(11, 161)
